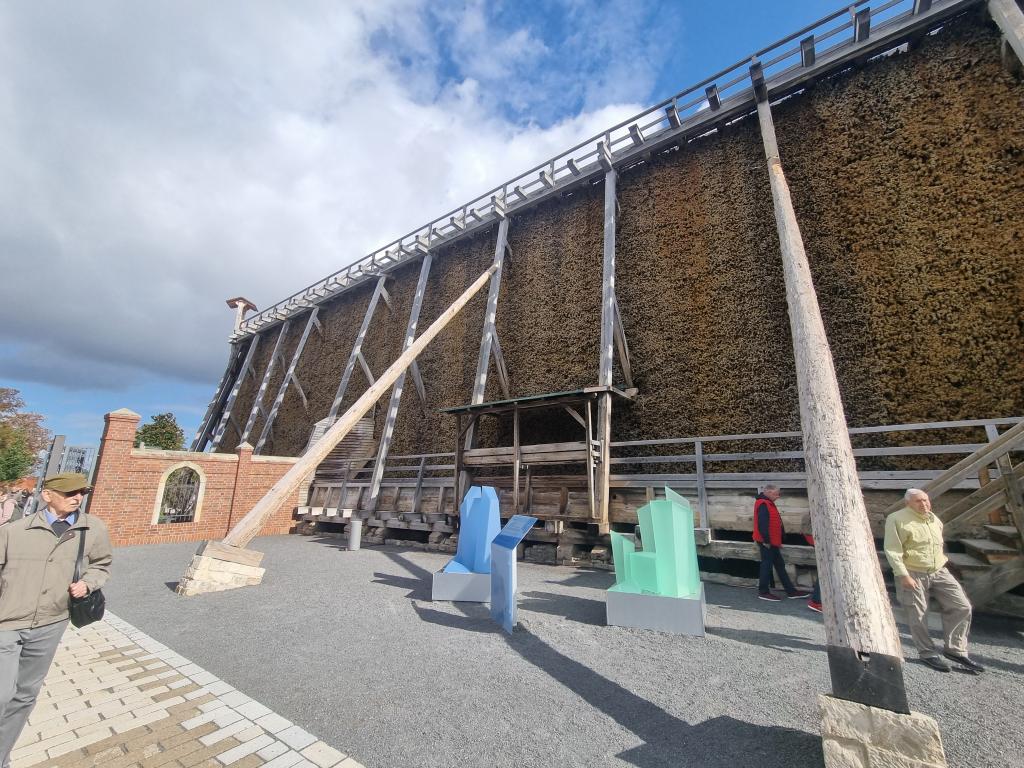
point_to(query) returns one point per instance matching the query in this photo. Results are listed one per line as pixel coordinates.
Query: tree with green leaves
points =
(16, 458)
(161, 432)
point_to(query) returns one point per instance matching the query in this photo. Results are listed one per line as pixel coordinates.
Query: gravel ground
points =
(349, 646)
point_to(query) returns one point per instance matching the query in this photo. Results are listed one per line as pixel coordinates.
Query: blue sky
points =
(160, 158)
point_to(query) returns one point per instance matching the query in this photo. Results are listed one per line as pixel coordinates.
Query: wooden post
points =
(357, 351)
(702, 491)
(1014, 496)
(396, 393)
(516, 456)
(488, 338)
(864, 653)
(249, 526)
(604, 404)
(591, 505)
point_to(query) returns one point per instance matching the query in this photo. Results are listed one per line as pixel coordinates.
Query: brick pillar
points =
(239, 496)
(113, 460)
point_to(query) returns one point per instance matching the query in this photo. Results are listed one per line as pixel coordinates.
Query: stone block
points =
(842, 754)
(858, 735)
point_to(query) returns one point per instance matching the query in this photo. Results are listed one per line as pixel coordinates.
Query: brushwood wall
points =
(907, 174)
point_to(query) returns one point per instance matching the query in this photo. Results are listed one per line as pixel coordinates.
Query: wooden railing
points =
(436, 470)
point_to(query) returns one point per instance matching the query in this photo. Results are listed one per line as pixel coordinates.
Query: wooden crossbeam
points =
(218, 436)
(807, 53)
(288, 379)
(714, 100)
(257, 403)
(861, 25)
(396, 392)
(356, 355)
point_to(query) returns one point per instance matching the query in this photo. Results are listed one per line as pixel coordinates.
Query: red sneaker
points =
(769, 597)
(816, 607)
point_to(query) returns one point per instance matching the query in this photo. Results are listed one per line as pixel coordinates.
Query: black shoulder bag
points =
(85, 610)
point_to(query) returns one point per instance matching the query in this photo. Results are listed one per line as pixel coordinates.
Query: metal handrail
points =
(570, 167)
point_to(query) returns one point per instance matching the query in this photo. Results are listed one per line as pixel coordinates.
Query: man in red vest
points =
(768, 533)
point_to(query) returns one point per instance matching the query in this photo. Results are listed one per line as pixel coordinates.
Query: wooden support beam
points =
(807, 54)
(417, 381)
(714, 100)
(861, 25)
(257, 403)
(370, 378)
(573, 168)
(1014, 495)
(396, 392)
(499, 367)
(489, 346)
(417, 496)
(1010, 19)
(517, 458)
(622, 347)
(218, 435)
(217, 403)
(702, 491)
(604, 413)
(921, 6)
(673, 116)
(302, 393)
(575, 414)
(588, 426)
(289, 377)
(379, 292)
(250, 525)
(860, 630)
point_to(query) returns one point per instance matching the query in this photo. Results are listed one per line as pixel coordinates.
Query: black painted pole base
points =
(875, 680)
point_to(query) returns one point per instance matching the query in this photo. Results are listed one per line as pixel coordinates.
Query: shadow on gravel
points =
(419, 589)
(581, 609)
(722, 742)
(759, 639)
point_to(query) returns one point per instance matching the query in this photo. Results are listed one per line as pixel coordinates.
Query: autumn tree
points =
(37, 438)
(161, 432)
(16, 458)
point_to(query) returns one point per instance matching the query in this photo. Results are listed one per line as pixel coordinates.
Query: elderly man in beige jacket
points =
(37, 565)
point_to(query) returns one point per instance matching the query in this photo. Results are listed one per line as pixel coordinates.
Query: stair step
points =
(1005, 534)
(966, 562)
(992, 551)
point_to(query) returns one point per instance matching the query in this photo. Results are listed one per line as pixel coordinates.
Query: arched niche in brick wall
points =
(181, 491)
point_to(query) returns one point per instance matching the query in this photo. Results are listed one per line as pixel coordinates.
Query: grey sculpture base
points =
(678, 615)
(465, 587)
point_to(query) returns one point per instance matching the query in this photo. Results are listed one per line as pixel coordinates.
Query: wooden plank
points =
(1014, 497)
(250, 525)
(591, 501)
(370, 378)
(702, 491)
(357, 348)
(622, 347)
(516, 460)
(289, 377)
(226, 413)
(417, 497)
(994, 582)
(499, 365)
(538, 448)
(396, 393)
(417, 381)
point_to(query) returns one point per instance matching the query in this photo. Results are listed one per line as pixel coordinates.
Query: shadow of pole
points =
(722, 742)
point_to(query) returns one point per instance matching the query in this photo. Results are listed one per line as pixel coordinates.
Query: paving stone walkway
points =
(117, 698)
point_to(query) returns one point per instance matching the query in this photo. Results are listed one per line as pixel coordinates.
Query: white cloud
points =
(159, 158)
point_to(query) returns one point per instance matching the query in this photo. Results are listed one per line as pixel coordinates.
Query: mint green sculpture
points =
(667, 565)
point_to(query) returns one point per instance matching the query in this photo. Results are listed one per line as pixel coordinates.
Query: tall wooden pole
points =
(864, 653)
(604, 403)
(249, 526)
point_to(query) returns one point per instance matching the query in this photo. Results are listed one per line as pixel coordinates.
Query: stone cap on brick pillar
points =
(121, 425)
(245, 447)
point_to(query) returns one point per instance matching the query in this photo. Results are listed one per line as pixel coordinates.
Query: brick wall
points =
(128, 480)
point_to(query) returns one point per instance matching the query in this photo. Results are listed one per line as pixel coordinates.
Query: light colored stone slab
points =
(461, 587)
(678, 615)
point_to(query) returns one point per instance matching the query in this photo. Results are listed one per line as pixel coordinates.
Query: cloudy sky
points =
(159, 157)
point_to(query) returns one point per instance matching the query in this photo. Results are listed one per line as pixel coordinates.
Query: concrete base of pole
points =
(355, 534)
(858, 736)
(216, 567)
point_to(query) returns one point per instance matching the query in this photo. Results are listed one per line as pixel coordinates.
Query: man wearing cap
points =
(37, 565)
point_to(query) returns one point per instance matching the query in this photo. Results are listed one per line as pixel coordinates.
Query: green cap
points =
(67, 482)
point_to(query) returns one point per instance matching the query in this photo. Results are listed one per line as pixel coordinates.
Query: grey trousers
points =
(25, 658)
(956, 611)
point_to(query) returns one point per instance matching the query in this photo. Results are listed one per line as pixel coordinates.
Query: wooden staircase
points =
(993, 561)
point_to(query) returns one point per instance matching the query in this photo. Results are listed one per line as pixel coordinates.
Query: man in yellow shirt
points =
(913, 546)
